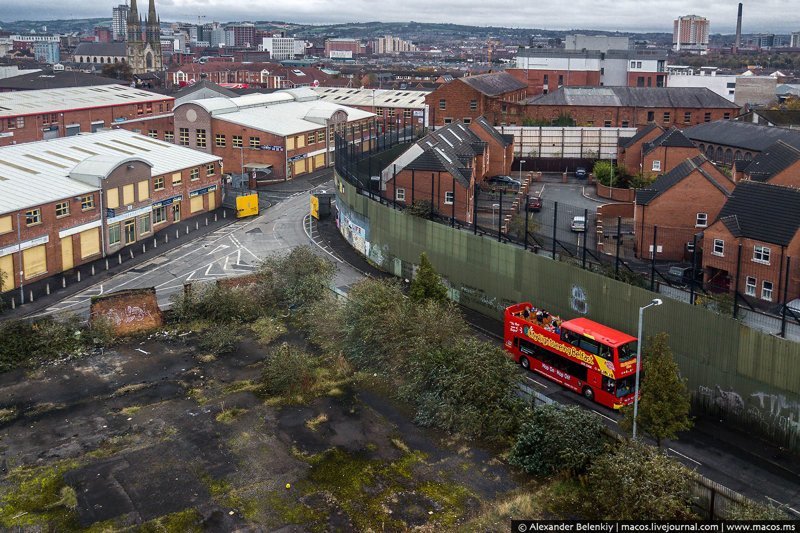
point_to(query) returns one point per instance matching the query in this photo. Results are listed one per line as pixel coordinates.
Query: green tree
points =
(611, 175)
(555, 440)
(427, 285)
(120, 71)
(516, 229)
(664, 402)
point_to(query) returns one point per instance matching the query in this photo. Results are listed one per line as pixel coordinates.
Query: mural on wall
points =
(354, 230)
(578, 301)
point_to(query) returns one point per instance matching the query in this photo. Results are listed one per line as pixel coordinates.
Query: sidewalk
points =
(121, 261)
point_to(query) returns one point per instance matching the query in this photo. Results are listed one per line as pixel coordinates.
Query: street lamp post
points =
(494, 208)
(655, 302)
(521, 162)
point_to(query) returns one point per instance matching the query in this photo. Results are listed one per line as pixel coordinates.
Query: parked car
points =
(578, 224)
(506, 182)
(682, 275)
(534, 204)
(581, 173)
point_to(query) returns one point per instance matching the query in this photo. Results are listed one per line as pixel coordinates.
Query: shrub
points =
(25, 342)
(427, 284)
(611, 175)
(288, 371)
(294, 281)
(220, 338)
(751, 510)
(556, 440)
(267, 329)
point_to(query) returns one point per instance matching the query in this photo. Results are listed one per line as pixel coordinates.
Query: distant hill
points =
(55, 26)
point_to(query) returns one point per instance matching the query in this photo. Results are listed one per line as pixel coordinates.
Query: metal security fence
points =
(578, 235)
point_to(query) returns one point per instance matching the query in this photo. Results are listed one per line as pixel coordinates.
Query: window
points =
(448, 120)
(114, 234)
(201, 138)
(144, 190)
(87, 202)
(651, 116)
(766, 291)
(406, 113)
(152, 134)
(707, 117)
(448, 198)
(467, 120)
(62, 209)
(140, 109)
(169, 136)
(158, 183)
(687, 117)
(667, 117)
(606, 123)
(701, 220)
(159, 214)
(183, 138)
(640, 81)
(638, 64)
(657, 165)
(194, 174)
(379, 111)
(473, 105)
(219, 140)
(624, 123)
(761, 254)
(211, 169)
(33, 217)
(144, 224)
(311, 138)
(560, 80)
(320, 136)
(237, 141)
(255, 142)
(719, 247)
(546, 79)
(400, 195)
(633, 64)
(149, 107)
(177, 179)
(128, 194)
(442, 104)
(750, 286)
(726, 116)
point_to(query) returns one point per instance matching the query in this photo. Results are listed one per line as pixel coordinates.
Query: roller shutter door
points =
(90, 242)
(34, 261)
(196, 204)
(7, 267)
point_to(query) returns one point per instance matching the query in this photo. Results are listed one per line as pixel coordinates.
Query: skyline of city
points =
(763, 16)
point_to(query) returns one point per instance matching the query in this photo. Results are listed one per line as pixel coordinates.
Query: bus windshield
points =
(627, 351)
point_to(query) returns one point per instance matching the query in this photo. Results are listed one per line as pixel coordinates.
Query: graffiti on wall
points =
(129, 315)
(578, 301)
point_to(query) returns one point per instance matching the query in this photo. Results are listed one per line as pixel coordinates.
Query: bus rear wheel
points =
(525, 362)
(588, 393)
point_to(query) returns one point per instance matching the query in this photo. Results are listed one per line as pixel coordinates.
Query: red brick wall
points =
(789, 177)
(129, 311)
(649, 79)
(631, 157)
(441, 183)
(670, 157)
(625, 116)
(34, 124)
(458, 97)
(570, 78)
(613, 193)
(499, 158)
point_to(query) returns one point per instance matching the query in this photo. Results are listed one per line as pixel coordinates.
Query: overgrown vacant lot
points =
(186, 439)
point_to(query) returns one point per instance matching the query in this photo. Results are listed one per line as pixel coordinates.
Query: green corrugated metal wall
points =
(746, 374)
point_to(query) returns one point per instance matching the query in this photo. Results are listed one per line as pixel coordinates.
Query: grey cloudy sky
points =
(626, 15)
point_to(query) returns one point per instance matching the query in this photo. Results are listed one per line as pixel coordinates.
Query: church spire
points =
(134, 24)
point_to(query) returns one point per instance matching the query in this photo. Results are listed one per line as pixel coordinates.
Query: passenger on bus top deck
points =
(526, 313)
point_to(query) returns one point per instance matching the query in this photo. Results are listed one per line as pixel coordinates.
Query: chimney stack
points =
(739, 28)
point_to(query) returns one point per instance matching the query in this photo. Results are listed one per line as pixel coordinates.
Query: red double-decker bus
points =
(589, 358)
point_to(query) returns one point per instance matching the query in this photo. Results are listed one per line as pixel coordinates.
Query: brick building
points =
(282, 134)
(779, 165)
(656, 151)
(264, 75)
(66, 202)
(623, 107)
(681, 203)
(27, 116)
(764, 220)
(394, 108)
(725, 142)
(444, 167)
(344, 48)
(470, 97)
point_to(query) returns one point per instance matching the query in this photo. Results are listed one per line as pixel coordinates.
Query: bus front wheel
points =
(525, 362)
(588, 393)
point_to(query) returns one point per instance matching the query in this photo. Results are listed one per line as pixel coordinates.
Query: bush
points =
(427, 284)
(216, 303)
(288, 371)
(267, 329)
(556, 440)
(293, 281)
(611, 175)
(220, 338)
(754, 511)
(47, 338)
(421, 209)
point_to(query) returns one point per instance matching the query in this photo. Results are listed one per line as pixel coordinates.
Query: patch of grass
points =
(400, 445)
(111, 446)
(290, 510)
(312, 423)
(241, 386)
(450, 496)
(224, 494)
(198, 394)
(8, 414)
(38, 497)
(41, 408)
(127, 389)
(207, 358)
(267, 329)
(228, 416)
(131, 410)
(497, 514)
(188, 520)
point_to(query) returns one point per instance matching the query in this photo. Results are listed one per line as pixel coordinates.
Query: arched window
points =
(719, 156)
(702, 147)
(737, 156)
(710, 152)
(748, 156)
(729, 157)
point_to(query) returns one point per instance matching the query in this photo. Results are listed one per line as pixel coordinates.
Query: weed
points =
(267, 329)
(228, 416)
(312, 423)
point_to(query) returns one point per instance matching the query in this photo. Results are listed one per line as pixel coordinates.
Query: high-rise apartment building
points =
(392, 45)
(119, 22)
(795, 40)
(690, 33)
(240, 35)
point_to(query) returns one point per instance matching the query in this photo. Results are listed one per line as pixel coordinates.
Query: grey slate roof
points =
(101, 49)
(744, 135)
(203, 85)
(673, 138)
(504, 140)
(494, 83)
(771, 161)
(644, 97)
(625, 142)
(762, 211)
(55, 80)
(675, 176)
(448, 149)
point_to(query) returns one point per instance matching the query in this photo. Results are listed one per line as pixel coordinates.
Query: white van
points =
(578, 224)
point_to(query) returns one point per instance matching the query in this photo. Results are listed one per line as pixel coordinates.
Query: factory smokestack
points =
(739, 28)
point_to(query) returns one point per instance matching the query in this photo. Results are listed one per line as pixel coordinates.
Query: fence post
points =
(412, 188)
(616, 259)
(736, 287)
(433, 192)
(394, 186)
(475, 209)
(652, 259)
(500, 219)
(694, 269)
(525, 213)
(555, 226)
(453, 208)
(586, 221)
(712, 503)
(785, 292)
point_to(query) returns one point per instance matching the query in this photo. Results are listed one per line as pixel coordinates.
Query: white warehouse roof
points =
(19, 103)
(372, 97)
(37, 173)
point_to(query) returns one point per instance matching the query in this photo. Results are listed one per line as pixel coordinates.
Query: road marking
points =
(209, 268)
(542, 385)
(225, 266)
(605, 416)
(220, 247)
(307, 231)
(140, 350)
(685, 456)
